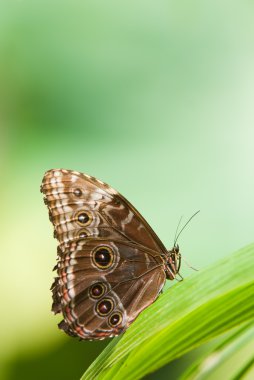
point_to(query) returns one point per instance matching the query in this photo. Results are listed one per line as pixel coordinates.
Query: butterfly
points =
(111, 264)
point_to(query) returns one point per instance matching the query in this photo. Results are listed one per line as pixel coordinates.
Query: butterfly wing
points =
(108, 214)
(102, 300)
(108, 256)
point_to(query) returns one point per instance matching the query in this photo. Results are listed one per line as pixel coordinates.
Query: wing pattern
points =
(110, 262)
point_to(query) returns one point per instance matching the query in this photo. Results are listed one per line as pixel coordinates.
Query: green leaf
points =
(191, 312)
(233, 356)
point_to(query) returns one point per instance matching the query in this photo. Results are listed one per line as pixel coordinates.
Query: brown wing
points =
(100, 301)
(106, 247)
(109, 214)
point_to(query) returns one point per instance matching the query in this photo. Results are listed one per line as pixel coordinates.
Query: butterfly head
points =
(173, 262)
(173, 256)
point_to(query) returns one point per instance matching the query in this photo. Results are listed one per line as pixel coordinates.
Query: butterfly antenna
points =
(188, 221)
(177, 229)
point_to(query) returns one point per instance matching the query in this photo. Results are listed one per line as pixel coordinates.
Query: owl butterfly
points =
(111, 264)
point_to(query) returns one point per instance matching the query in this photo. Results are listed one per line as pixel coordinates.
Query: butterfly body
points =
(111, 264)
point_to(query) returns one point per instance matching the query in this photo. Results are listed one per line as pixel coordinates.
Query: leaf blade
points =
(230, 277)
(226, 357)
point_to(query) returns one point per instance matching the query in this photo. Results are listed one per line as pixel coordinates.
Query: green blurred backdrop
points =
(152, 97)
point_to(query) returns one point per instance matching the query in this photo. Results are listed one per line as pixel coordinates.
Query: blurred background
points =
(154, 98)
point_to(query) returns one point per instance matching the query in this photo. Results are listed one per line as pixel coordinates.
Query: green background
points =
(154, 98)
